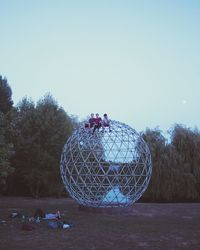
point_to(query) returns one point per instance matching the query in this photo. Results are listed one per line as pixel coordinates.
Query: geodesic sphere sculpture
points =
(106, 168)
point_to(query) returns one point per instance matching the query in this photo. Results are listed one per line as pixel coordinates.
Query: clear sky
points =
(137, 60)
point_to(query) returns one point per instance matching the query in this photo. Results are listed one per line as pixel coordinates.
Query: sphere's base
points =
(106, 210)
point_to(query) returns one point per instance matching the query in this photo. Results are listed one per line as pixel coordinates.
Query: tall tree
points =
(157, 144)
(176, 171)
(42, 131)
(6, 151)
(185, 144)
(5, 96)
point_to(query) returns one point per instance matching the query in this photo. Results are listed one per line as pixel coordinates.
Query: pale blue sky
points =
(138, 61)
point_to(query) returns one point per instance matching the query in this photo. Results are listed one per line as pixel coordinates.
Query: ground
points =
(144, 226)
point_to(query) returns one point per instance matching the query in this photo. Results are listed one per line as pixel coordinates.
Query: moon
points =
(184, 101)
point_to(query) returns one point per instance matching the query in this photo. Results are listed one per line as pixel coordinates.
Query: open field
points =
(145, 226)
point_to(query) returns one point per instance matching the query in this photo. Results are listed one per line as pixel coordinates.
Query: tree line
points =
(32, 136)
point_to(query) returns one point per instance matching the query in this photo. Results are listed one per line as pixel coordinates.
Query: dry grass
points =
(145, 226)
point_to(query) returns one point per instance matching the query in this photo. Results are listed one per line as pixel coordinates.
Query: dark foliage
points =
(6, 151)
(5, 96)
(176, 165)
(39, 133)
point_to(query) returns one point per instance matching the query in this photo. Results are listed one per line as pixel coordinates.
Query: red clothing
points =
(97, 120)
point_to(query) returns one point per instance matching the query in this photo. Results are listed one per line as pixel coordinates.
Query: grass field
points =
(144, 226)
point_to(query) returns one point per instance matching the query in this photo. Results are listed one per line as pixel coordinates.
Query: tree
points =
(41, 133)
(6, 151)
(176, 172)
(5, 96)
(158, 186)
(185, 144)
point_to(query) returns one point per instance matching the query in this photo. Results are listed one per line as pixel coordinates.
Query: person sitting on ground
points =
(98, 122)
(106, 122)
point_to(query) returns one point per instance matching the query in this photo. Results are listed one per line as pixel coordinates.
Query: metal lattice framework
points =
(106, 168)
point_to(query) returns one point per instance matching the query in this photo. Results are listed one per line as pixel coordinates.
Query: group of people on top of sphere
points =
(96, 122)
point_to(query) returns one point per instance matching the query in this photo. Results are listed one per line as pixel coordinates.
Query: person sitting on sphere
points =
(92, 120)
(106, 122)
(98, 122)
